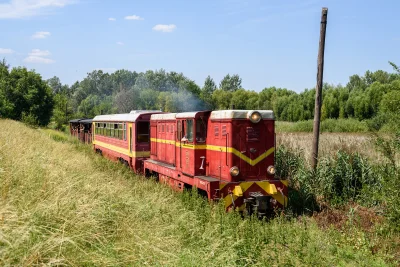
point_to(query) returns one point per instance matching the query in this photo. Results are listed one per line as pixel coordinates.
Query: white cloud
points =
(120, 43)
(112, 19)
(39, 56)
(40, 53)
(15, 9)
(43, 60)
(6, 51)
(164, 27)
(41, 35)
(134, 17)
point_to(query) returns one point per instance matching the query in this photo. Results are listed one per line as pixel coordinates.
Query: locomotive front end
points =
(248, 180)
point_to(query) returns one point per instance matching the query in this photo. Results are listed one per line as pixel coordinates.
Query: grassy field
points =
(61, 204)
(331, 143)
(327, 125)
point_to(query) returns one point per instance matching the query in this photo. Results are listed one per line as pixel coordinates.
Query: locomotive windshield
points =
(201, 131)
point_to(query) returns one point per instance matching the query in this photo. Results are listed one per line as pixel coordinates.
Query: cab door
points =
(187, 147)
(225, 151)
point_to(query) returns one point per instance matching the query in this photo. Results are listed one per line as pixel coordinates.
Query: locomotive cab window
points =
(143, 131)
(188, 131)
(201, 131)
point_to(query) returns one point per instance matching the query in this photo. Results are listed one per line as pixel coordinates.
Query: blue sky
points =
(268, 43)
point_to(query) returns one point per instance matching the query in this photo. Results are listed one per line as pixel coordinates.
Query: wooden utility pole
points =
(318, 89)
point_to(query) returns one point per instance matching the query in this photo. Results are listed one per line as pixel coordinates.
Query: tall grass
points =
(327, 125)
(61, 204)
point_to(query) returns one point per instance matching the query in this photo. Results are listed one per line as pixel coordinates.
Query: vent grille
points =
(216, 130)
(223, 129)
(252, 135)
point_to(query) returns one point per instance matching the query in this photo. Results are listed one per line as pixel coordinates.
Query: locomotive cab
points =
(240, 147)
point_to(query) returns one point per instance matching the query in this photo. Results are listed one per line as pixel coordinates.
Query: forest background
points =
(371, 101)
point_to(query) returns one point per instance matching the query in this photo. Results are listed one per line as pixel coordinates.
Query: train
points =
(227, 155)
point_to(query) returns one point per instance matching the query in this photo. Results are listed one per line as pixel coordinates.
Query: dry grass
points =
(330, 143)
(60, 204)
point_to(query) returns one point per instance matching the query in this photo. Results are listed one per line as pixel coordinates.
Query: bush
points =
(343, 126)
(328, 125)
(346, 177)
(384, 122)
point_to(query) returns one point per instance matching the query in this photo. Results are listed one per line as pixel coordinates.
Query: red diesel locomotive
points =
(226, 154)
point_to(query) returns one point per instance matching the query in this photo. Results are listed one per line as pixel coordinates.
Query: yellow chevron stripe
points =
(134, 154)
(228, 200)
(285, 182)
(265, 185)
(246, 185)
(222, 185)
(250, 161)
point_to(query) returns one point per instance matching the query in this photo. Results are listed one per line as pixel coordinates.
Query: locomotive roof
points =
(165, 116)
(240, 114)
(186, 114)
(131, 117)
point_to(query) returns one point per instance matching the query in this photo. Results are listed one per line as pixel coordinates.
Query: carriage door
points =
(153, 142)
(130, 138)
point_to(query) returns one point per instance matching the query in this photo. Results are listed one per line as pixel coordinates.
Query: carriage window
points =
(201, 131)
(143, 131)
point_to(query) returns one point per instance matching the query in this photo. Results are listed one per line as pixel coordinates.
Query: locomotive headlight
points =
(271, 170)
(255, 117)
(234, 171)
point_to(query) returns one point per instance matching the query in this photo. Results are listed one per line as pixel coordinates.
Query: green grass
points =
(61, 204)
(328, 125)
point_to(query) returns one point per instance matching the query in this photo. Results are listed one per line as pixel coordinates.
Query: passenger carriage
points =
(124, 137)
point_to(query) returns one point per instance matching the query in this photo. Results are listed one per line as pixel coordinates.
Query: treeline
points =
(375, 96)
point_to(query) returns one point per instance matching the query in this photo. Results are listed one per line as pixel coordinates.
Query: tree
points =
(55, 84)
(148, 99)
(231, 83)
(207, 91)
(126, 100)
(395, 67)
(123, 79)
(62, 110)
(356, 83)
(391, 103)
(6, 106)
(25, 96)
